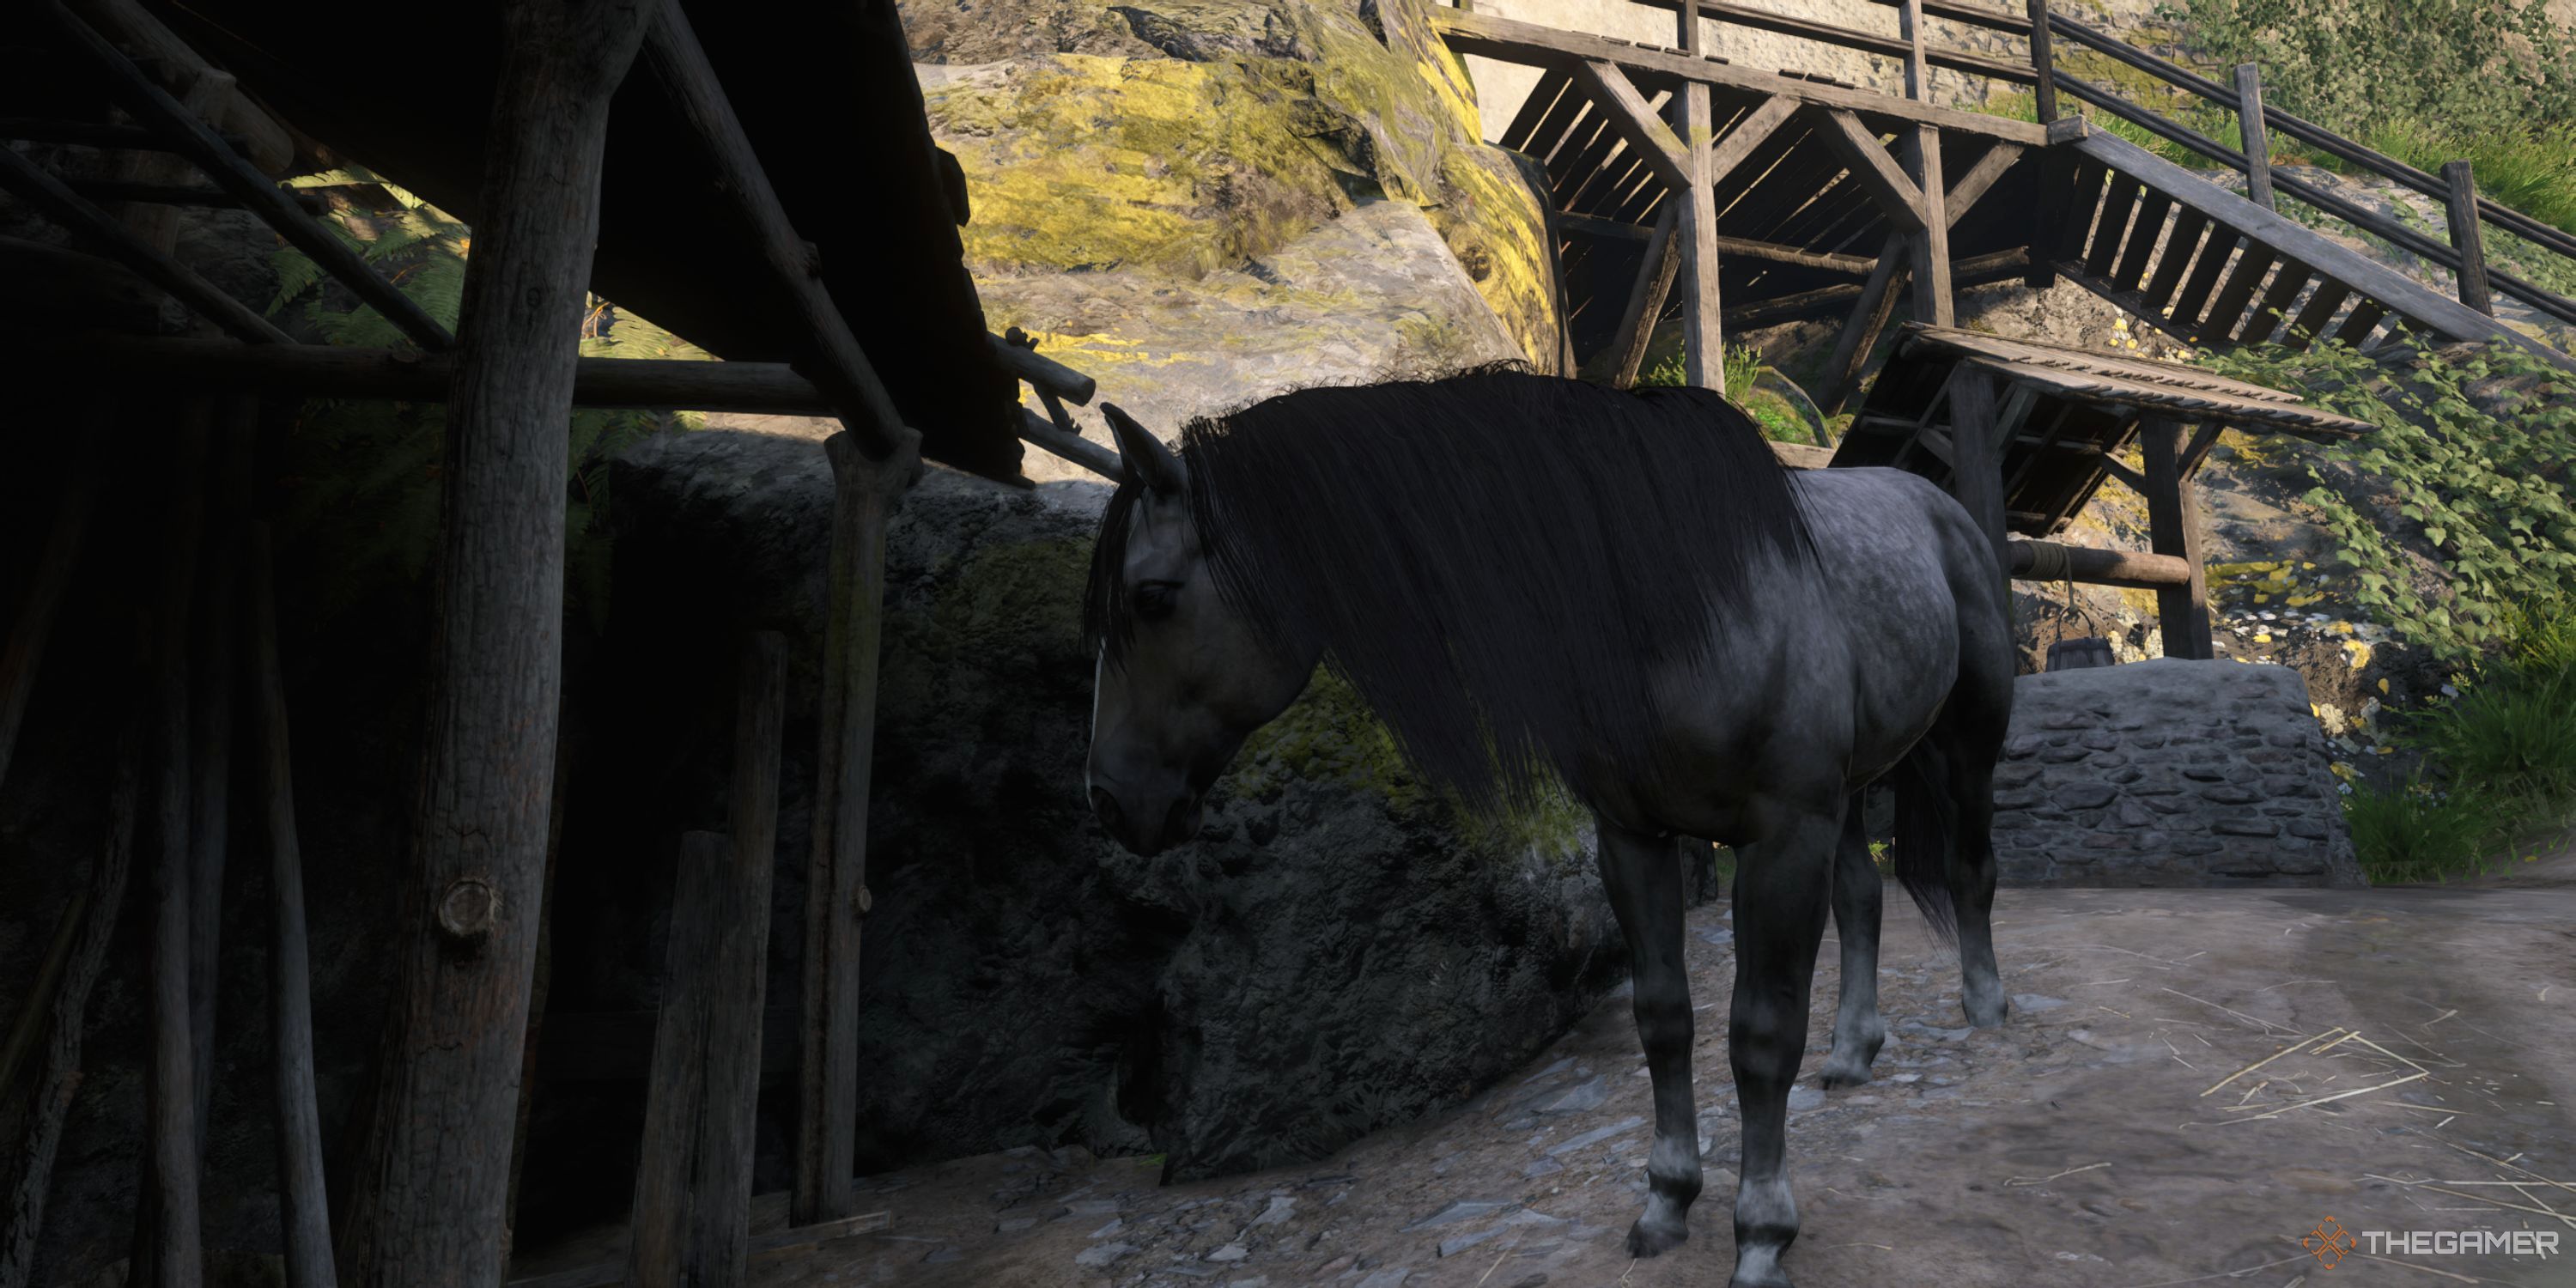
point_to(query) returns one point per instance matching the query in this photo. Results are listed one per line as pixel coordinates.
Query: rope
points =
(2048, 561)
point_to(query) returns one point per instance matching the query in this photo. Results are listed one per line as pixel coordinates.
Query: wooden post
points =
(1918, 73)
(837, 898)
(167, 1252)
(2043, 61)
(1686, 16)
(2254, 135)
(1703, 334)
(540, 983)
(70, 1009)
(1976, 457)
(2467, 238)
(1933, 303)
(1868, 318)
(34, 623)
(210, 797)
(1655, 274)
(2173, 515)
(426, 1200)
(303, 1211)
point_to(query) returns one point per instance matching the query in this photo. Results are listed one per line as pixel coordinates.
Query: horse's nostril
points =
(1106, 806)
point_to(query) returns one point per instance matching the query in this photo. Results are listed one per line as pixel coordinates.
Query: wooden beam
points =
(1019, 356)
(426, 1205)
(59, 203)
(1736, 15)
(252, 133)
(2249, 131)
(1934, 300)
(1909, 26)
(1655, 274)
(2043, 62)
(1869, 315)
(1704, 331)
(2173, 521)
(275, 207)
(835, 362)
(1634, 120)
(1895, 193)
(304, 1208)
(2466, 237)
(837, 899)
(1752, 132)
(1529, 44)
(1833, 301)
(1978, 181)
(2125, 568)
(1769, 252)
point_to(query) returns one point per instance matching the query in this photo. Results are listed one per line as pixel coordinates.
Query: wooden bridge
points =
(1683, 184)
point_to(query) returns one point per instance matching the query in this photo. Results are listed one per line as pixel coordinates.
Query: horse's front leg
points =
(1781, 893)
(1643, 876)
(1858, 1029)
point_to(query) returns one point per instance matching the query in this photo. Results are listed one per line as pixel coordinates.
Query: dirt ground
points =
(2419, 1079)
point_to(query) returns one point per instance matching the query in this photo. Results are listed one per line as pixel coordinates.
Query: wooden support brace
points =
(1752, 132)
(1909, 28)
(1869, 316)
(2172, 522)
(1896, 194)
(247, 130)
(1978, 181)
(1933, 298)
(2043, 61)
(1655, 274)
(2049, 561)
(1634, 120)
(86, 221)
(2467, 238)
(2251, 133)
(1704, 335)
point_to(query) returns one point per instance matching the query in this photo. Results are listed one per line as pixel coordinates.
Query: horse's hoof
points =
(1839, 1074)
(1759, 1268)
(1654, 1239)
(1989, 1016)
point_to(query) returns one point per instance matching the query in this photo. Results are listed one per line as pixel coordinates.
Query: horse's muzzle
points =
(1178, 824)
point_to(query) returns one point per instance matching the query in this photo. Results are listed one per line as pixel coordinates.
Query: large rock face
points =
(2168, 773)
(1205, 203)
(1335, 954)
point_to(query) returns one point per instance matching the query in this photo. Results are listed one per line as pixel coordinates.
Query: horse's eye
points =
(1154, 599)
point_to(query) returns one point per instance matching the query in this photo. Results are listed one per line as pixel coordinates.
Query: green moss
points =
(1003, 595)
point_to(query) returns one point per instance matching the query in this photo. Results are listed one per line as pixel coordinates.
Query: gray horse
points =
(1534, 580)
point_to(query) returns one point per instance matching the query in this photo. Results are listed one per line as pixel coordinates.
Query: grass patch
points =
(1780, 422)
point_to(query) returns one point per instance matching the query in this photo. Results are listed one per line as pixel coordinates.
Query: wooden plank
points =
(1972, 187)
(1869, 315)
(2310, 323)
(1934, 299)
(1655, 273)
(1530, 44)
(2104, 249)
(1704, 333)
(2205, 273)
(1833, 301)
(2180, 244)
(2172, 521)
(1633, 119)
(2228, 309)
(86, 221)
(2461, 201)
(1921, 339)
(2257, 145)
(2144, 236)
(2380, 282)
(1544, 101)
(1754, 130)
(1736, 15)
(864, 492)
(2358, 324)
(2273, 311)
(2044, 62)
(426, 1203)
(155, 108)
(2109, 391)
(687, 1228)
(1894, 192)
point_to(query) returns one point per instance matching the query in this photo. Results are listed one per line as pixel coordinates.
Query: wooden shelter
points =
(657, 153)
(2025, 433)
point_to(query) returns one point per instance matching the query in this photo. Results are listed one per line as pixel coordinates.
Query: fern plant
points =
(363, 474)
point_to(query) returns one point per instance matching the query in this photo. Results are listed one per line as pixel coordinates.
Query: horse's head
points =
(1182, 677)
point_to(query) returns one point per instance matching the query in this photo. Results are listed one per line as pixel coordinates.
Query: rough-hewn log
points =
(303, 1212)
(1869, 314)
(425, 1205)
(2043, 61)
(69, 1010)
(2252, 137)
(167, 1252)
(33, 624)
(2036, 560)
(1933, 297)
(2462, 206)
(90, 224)
(248, 131)
(275, 207)
(540, 985)
(864, 492)
(1025, 362)
(1637, 318)
(836, 362)
(2172, 523)
(1769, 252)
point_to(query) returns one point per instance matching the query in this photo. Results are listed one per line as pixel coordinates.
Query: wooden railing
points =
(2464, 256)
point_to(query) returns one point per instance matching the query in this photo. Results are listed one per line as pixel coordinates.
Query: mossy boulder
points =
(1158, 190)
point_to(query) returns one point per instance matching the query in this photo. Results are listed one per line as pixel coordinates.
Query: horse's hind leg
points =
(1858, 1030)
(1972, 732)
(1643, 876)
(1781, 894)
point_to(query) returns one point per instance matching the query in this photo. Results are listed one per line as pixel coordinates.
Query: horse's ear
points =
(1151, 463)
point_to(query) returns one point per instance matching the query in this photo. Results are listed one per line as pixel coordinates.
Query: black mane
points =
(1494, 559)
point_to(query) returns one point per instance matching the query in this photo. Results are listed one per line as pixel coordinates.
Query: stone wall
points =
(2168, 773)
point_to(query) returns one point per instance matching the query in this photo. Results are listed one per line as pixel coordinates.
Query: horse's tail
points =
(1925, 818)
